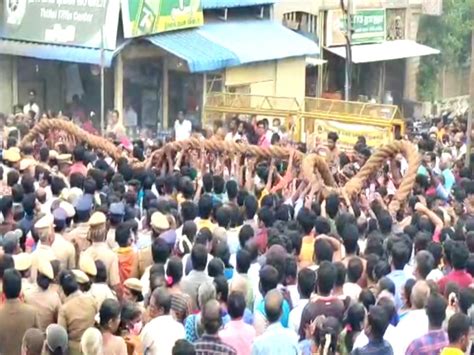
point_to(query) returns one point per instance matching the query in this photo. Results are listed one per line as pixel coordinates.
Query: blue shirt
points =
(276, 340)
(399, 278)
(284, 316)
(449, 179)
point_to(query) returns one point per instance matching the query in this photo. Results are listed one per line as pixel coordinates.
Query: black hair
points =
(57, 185)
(174, 269)
(232, 189)
(251, 206)
(223, 217)
(79, 153)
(354, 269)
(199, 257)
(28, 183)
(385, 222)
(340, 274)
(236, 304)
(266, 216)
(90, 186)
(101, 275)
(160, 251)
(269, 278)
(245, 234)
(322, 226)
(207, 182)
(243, 261)
(205, 206)
(466, 299)
(458, 326)
(183, 347)
(387, 284)
(354, 324)
(367, 298)
(350, 237)
(326, 276)
(221, 251)
(459, 255)
(215, 267)
(68, 282)
(222, 288)
(332, 205)
(436, 310)
(188, 211)
(400, 255)
(323, 250)
(109, 310)
(378, 320)
(11, 283)
(122, 234)
(306, 282)
(306, 218)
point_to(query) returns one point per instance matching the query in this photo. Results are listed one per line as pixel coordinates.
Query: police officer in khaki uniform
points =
(45, 231)
(63, 248)
(77, 313)
(99, 249)
(44, 298)
(159, 224)
(22, 263)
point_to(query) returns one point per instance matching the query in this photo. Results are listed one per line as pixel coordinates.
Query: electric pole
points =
(347, 12)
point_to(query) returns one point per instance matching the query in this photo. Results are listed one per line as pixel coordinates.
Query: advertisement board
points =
(368, 26)
(146, 17)
(68, 22)
(348, 133)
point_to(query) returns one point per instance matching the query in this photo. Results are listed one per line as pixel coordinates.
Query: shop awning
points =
(389, 50)
(224, 44)
(55, 52)
(222, 4)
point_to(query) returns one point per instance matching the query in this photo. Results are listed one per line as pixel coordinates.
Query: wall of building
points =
(284, 77)
(6, 84)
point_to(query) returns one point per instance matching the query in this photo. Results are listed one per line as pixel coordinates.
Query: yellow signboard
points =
(348, 133)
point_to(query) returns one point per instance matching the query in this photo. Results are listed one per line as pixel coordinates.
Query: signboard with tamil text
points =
(146, 17)
(368, 26)
(348, 133)
(68, 22)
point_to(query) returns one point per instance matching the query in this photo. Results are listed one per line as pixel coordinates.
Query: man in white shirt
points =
(415, 323)
(31, 105)
(182, 127)
(159, 335)
(130, 119)
(306, 286)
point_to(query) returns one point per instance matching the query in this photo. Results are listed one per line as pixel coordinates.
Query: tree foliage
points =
(451, 34)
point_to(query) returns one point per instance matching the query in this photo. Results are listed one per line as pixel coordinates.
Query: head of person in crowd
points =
(91, 341)
(33, 341)
(458, 331)
(56, 342)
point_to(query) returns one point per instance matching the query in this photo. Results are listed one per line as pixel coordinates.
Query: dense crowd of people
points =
(227, 254)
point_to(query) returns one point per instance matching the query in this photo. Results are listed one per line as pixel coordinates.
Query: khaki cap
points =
(80, 276)
(159, 221)
(45, 222)
(87, 264)
(64, 159)
(69, 208)
(97, 219)
(53, 154)
(133, 284)
(22, 261)
(12, 155)
(45, 268)
(26, 163)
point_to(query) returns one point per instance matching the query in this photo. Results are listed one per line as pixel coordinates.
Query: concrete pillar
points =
(118, 83)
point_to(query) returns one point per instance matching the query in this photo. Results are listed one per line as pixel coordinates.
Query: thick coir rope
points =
(96, 142)
(376, 161)
(309, 162)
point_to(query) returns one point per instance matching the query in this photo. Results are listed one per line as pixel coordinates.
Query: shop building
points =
(160, 63)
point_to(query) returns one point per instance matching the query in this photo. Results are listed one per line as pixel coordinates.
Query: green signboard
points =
(69, 22)
(368, 26)
(145, 17)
